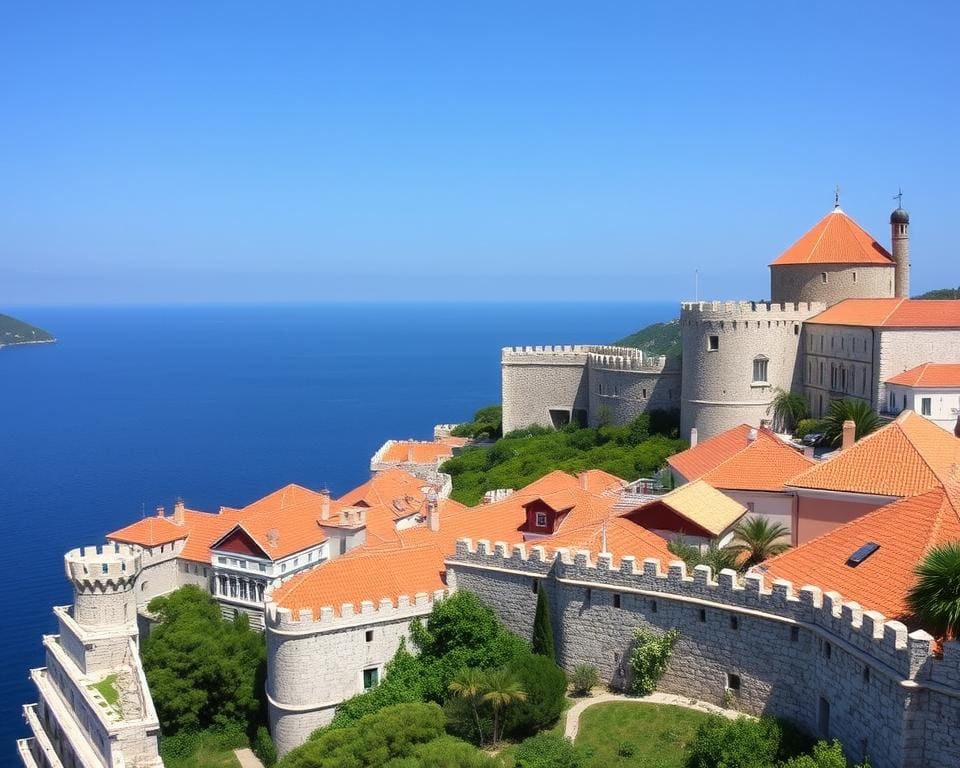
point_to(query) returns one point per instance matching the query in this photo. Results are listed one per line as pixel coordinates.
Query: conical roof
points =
(835, 239)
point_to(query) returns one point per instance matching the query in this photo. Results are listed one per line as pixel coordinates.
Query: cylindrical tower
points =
(900, 239)
(103, 584)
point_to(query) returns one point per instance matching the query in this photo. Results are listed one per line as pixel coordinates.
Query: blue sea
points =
(134, 407)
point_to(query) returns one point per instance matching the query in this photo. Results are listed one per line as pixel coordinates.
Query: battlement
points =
(909, 655)
(691, 310)
(111, 564)
(625, 358)
(548, 349)
(308, 621)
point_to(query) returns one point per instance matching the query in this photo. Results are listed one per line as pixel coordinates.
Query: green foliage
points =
(823, 756)
(630, 451)
(858, 411)
(941, 293)
(744, 743)
(648, 660)
(542, 628)
(487, 423)
(374, 740)
(935, 597)
(806, 426)
(545, 686)
(202, 749)
(759, 540)
(444, 752)
(548, 750)
(202, 671)
(656, 339)
(788, 409)
(263, 747)
(583, 679)
(402, 684)
(503, 690)
(715, 556)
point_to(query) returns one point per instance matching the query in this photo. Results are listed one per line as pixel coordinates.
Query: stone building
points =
(932, 390)
(839, 324)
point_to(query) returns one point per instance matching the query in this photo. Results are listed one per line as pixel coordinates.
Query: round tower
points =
(900, 239)
(103, 584)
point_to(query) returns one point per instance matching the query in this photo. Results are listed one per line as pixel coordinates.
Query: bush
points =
(823, 756)
(583, 679)
(651, 652)
(545, 685)
(744, 743)
(548, 750)
(263, 747)
(445, 752)
(487, 423)
(806, 426)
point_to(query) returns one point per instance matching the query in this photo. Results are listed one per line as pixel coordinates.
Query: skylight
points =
(863, 553)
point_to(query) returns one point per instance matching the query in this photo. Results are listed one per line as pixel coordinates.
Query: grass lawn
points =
(658, 734)
(206, 756)
(204, 750)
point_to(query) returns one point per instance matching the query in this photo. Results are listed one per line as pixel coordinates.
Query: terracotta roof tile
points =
(764, 465)
(929, 375)
(836, 239)
(150, 532)
(417, 451)
(892, 313)
(905, 531)
(624, 537)
(710, 454)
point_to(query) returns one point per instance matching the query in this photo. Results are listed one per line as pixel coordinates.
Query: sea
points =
(134, 407)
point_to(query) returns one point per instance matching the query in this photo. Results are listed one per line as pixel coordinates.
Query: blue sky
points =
(235, 152)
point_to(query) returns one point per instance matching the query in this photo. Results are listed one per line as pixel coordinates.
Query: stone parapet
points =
(333, 619)
(751, 309)
(103, 568)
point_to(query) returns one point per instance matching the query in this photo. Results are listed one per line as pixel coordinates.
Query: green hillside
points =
(941, 293)
(656, 339)
(13, 331)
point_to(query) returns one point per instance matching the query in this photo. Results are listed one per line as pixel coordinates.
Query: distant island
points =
(941, 293)
(13, 331)
(656, 339)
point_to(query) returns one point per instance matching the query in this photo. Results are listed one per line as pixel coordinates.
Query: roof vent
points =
(752, 434)
(863, 553)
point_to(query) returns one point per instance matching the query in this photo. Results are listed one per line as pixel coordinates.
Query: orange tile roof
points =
(392, 488)
(624, 537)
(710, 454)
(418, 452)
(892, 313)
(835, 239)
(904, 458)
(206, 528)
(150, 532)
(929, 375)
(905, 531)
(766, 464)
(598, 481)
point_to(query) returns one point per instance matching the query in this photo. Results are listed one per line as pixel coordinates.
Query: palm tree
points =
(788, 409)
(935, 598)
(470, 684)
(859, 412)
(759, 539)
(502, 690)
(719, 558)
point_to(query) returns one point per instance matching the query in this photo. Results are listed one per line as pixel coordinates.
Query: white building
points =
(930, 389)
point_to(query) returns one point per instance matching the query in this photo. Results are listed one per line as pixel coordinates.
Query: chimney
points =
(693, 437)
(752, 434)
(409, 454)
(324, 504)
(582, 477)
(433, 512)
(808, 451)
(849, 434)
(178, 516)
(161, 512)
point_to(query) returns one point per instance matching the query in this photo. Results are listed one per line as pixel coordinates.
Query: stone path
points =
(247, 759)
(573, 714)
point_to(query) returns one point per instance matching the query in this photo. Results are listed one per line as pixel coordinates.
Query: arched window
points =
(760, 369)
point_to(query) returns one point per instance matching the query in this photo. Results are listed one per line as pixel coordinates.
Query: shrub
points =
(263, 747)
(744, 743)
(649, 658)
(861, 413)
(542, 628)
(806, 426)
(583, 679)
(626, 749)
(545, 685)
(548, 750)
(823, 756)
(444, 752)
(487, 423)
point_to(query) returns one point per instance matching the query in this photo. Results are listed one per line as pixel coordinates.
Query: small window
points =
(534, 586)
(713, 343)
(599, 388)
(796, 330)
(370, 678)
(823, 277)
(866, 674)
(827, 649)
(854, 276)
(644, 394)
(823, 718)
(263, 567)
(541, 519)
(616, 601)
(733, 682)
(368, 635)
(221, 559)
(760, 370)
(653, 606)
(734, 622)
(703, 615)
(751, 507)
(925, 408)
(587, 595)
(794, 634)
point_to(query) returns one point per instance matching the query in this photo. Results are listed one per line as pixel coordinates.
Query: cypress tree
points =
(542, 629)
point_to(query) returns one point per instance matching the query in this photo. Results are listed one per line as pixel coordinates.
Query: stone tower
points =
(103, 584)
(900, 238)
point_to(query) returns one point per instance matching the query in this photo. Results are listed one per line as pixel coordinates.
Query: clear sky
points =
(279, 151)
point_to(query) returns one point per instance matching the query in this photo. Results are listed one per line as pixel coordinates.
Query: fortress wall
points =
(93, 653)
(316, 661)
(794, 653)
(804, 282)
(160, 572)
(626, 392)
(186, 575)
(718, 391)
(537, 379)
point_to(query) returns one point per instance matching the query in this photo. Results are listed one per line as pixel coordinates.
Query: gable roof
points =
(905, 531)
(698, 502)
(836, 239)
(892, 313)
(766, 464)
(711, 453)
(903, 458)
(150, 532)
(421, 451)
(929, 375)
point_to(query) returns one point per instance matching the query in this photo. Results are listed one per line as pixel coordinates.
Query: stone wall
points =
(624, 383)
(846, 350)
(538, 379)
(805, 282)
(827, 665)
(899, 350)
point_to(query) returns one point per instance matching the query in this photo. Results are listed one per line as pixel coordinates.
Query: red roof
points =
(836, 239)
(707, 456)
(929, 375)
(892, 313)
(151, 532)
(905, 531)
(766, 464)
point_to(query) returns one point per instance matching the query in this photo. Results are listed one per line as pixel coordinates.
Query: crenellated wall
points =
(825, 664)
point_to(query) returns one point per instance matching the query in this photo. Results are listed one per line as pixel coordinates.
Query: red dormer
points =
(543, 519)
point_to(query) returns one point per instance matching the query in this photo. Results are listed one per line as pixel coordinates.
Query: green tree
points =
(545, 686)
(470, 686)
(759, 539)
(502, 690)
(788, 409)
(542, 628)
(549, 750)
(742, 743)
(935, 597)
(859, 412)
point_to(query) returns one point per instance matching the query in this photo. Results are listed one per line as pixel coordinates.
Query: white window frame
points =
(761, 364)
(541, 520)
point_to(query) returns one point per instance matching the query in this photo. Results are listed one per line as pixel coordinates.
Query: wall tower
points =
(900, 239)
(103, 582)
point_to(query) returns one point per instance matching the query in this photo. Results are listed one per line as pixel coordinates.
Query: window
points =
(925, 406)
(541, 519)
(734, 622)
(703, 615)
(827, 649)
(599, 388)
(221, 559)
(866, 674)
(751, 507)
(368, 635)
(644, 394)
(823, 277)
(854, 276)
(263, 567)
(370, 678)
(616, 601)
(794, 634)
(534, 585)
(823, 718)
(760, 370)
(587, 595)
(796, 329)
(713, 343)
(733, 682)
(821, 372)
(653, 606)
